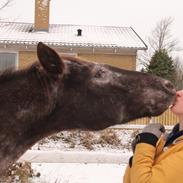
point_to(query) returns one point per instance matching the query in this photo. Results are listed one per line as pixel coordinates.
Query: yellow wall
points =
(127, 62)
(26, 58)
(122, 61)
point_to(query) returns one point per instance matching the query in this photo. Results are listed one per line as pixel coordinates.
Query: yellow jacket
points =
(156, 164)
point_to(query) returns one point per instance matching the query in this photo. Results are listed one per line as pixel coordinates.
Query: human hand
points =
(156, 129)
(146, 136)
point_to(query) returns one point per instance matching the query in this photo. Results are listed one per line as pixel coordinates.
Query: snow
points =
(81, 156)
(45, 3)
(67, 158)
(110, 140)
(35, 156)
(65, 35)
(79, 173)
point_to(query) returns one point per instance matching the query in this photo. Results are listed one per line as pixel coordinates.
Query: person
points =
(158, 158)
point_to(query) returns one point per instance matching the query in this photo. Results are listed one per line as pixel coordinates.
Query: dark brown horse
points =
(68, 93)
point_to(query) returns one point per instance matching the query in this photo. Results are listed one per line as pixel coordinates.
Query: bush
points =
(18, 172)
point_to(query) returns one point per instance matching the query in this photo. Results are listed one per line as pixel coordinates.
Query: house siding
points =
(122, 61)
(26, 58)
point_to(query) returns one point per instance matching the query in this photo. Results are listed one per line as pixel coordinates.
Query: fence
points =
(167, 118)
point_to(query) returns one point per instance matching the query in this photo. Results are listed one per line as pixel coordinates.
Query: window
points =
(8, 60)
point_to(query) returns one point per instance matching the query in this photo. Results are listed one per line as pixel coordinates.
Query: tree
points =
(161, 38)
(178, 73)
(4, 4)
(161, 64)
(162, 44)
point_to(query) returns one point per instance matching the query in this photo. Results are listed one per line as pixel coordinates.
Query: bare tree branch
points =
(161, 38)
(4, 4)
(179, 73)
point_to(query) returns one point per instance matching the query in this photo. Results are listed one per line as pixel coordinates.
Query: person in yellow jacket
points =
(157, 158)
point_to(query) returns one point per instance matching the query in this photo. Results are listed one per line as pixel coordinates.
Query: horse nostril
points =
(169, 86)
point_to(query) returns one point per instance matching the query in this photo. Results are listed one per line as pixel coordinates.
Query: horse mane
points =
(10, 74)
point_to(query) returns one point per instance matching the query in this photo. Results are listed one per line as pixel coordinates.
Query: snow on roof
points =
(66, 35)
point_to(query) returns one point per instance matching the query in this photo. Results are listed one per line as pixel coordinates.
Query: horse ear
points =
(49, 59)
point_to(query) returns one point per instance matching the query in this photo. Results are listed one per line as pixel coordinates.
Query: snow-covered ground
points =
(109, 140)
(80, 157)
(54, 156)
(79, 173)
(76, 157)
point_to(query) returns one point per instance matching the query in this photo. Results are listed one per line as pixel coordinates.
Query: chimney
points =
(41, 22)
(79, 31)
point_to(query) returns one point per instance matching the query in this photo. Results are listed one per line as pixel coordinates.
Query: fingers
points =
(155, 128)
(162, 129)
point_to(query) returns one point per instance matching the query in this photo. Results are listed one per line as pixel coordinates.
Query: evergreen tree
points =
(161, 64)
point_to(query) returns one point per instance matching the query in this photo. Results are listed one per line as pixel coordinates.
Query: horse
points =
(64, 93)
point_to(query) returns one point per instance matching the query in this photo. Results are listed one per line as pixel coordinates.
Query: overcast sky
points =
(142, 15)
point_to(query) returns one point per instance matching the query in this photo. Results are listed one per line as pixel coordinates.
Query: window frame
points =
(16, 56)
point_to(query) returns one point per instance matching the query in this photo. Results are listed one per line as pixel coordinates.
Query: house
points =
(117, 46)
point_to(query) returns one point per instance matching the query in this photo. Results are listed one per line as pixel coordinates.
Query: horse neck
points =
(22, 115)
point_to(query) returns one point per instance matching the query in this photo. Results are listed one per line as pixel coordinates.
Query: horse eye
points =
(99, 74)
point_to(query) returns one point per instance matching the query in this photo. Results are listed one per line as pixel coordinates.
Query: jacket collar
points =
(174, 135)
